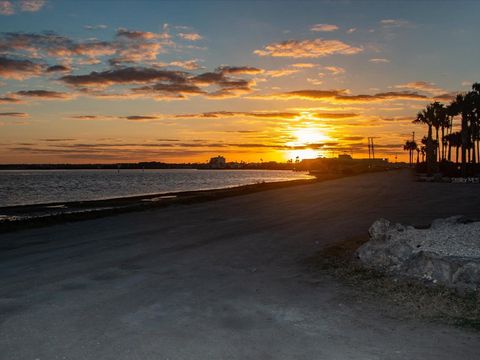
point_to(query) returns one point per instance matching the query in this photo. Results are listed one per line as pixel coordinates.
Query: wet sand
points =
(222, 279)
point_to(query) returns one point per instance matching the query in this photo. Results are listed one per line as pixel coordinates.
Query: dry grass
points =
(406, 297)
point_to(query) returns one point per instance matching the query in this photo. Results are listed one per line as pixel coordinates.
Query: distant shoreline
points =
(271, 165)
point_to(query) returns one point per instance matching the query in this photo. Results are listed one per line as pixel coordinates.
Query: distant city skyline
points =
(184, 81)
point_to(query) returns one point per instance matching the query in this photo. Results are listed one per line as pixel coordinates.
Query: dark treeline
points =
(140, 165)
(271, 165)
(452, 143)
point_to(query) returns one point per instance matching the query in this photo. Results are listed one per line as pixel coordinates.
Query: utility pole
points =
(371, 148)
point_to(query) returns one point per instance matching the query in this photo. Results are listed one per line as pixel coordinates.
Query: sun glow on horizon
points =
(307, 144)
(308, 136)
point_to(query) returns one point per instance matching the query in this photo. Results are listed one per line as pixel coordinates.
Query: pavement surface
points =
(221, 279)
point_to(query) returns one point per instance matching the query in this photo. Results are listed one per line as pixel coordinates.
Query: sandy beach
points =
(221, 279)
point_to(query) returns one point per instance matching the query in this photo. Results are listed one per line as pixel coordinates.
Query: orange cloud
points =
(14, 114)
(335, 70)
(9, 7)
(162, 90)
(315, 81)
(342, 96)
(128, 46)
(266, 115)
(44, 94)
(31, 5)
(280, 72)
(308, 48)
(136, 35)
(385, 96)
(190, 36)
(19, 69)
(424, 86)
(324, 27)
(379, 60)
(304, 65)
(446, 96)
(93, 117)
(164, 84)
(9, 100)
(6, 8)
(58, 68)
(303, 94)
(391, 23)
(188, 64)
(129, 75)
(237, 70)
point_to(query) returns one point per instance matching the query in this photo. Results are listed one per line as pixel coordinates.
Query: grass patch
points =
(408, 298)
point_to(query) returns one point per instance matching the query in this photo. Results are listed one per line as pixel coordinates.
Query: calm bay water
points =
(21, 187)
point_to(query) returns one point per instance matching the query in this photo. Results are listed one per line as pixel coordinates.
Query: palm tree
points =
(475, 120)
(445, 124)
(457, 142)
(427, 117)
(439, 117)
(448, 140)
(439, 121)
(452, 111)
(410, 146)
(462, 106)
(453, 140)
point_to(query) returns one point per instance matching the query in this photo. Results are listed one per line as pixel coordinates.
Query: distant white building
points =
(218, 162)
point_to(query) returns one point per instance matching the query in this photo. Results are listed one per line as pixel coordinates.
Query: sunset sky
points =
(113, 81)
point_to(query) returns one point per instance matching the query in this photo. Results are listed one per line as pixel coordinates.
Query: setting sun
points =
(308, 136)
(307, 143)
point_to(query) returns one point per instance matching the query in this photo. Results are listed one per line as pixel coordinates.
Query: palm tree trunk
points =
(449, 151)
(430, 152)
(443, 144)
(474, 153)
(464, 145)
(473, 132)
(478, 149)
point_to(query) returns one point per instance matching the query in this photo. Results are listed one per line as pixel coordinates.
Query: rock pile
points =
(447, 253)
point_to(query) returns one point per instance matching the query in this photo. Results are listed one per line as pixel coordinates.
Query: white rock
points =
(448, 252)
